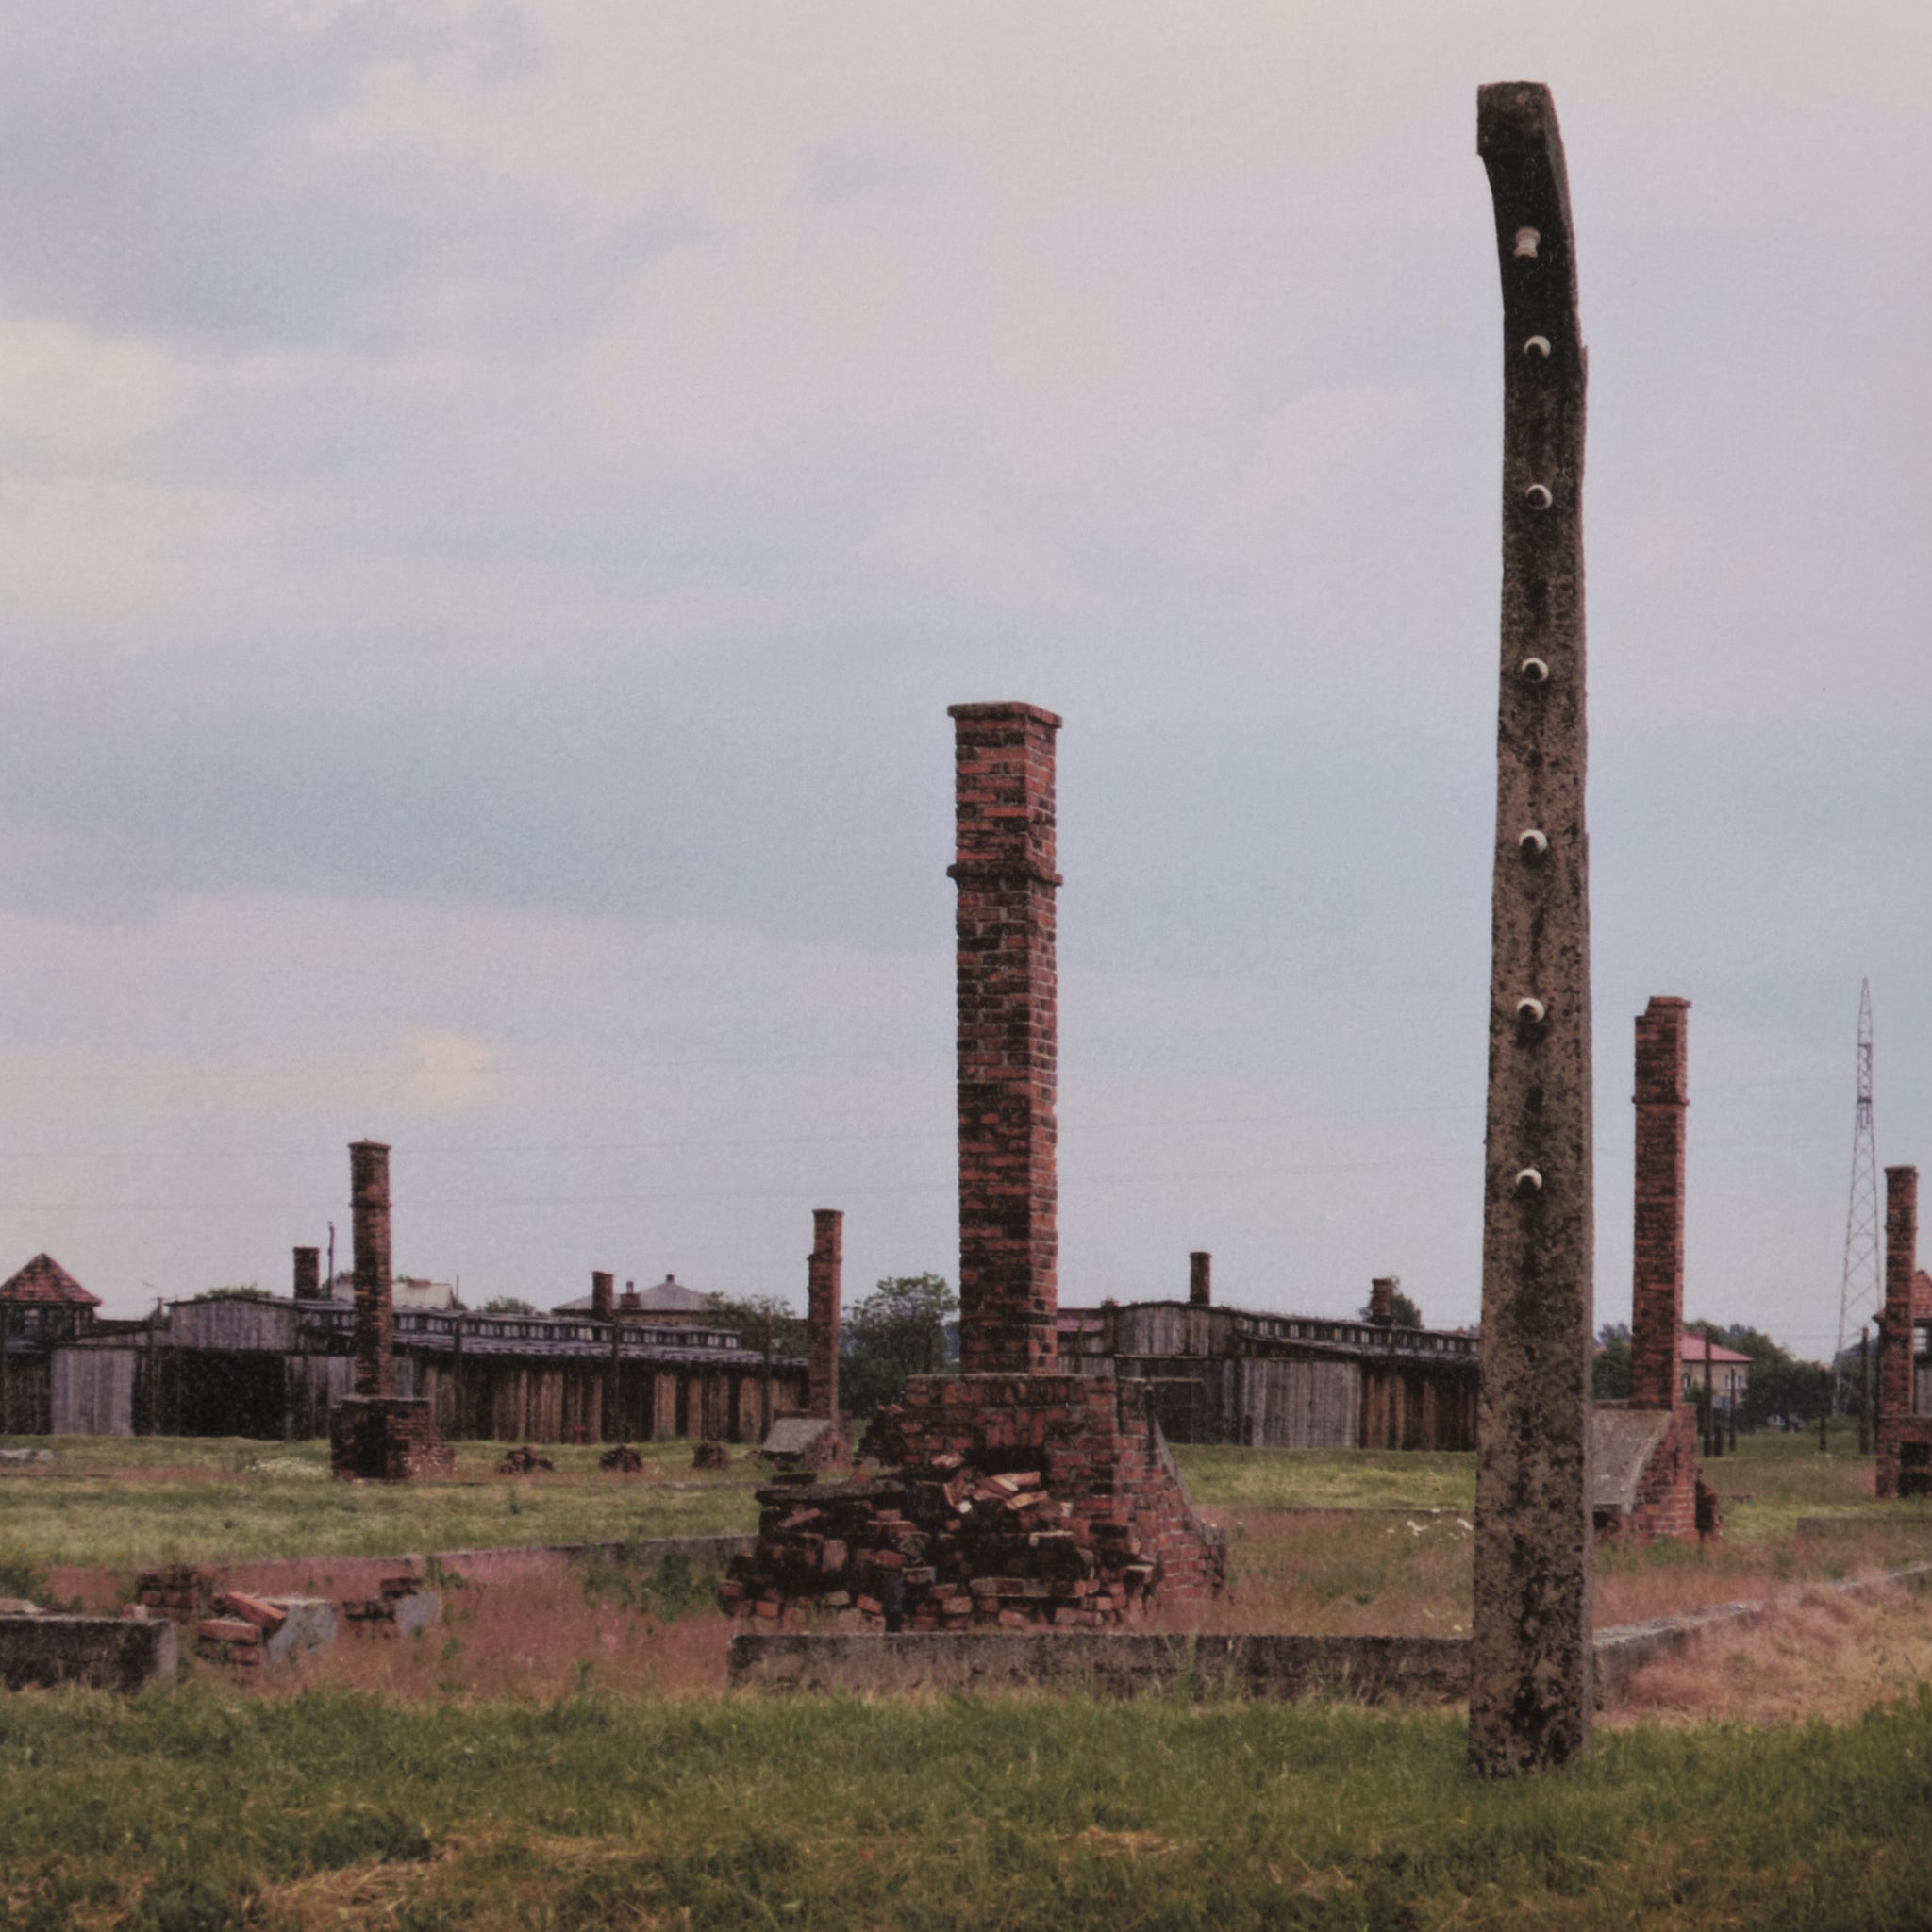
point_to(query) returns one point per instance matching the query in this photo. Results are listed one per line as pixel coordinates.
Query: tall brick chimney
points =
(603, 1294)
(1382, 1298)
(821, 1306)
(307, 1275)
(1009, 1192)
(1901, 1259)
(374, 1290)
(1656, 1293)
(1200, 1278)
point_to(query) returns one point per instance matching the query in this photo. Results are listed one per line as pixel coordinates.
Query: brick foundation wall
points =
(307, 1282)
(1899, 1441)
(1007, 1064)
(375, 1288)
(384, 1439)
(1200, 1279)
(823, 1294)
(1657, 1298)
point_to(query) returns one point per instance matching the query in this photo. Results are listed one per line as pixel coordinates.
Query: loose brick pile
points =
(238, 1634)
(711, 1455)
(1018, 1502)
(526, 1462)
(623, 1459)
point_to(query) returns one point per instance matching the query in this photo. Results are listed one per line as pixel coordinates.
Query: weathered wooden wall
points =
(92, 1391)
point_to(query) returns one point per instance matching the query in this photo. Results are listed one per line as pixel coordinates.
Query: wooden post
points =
(1824, 1410)
(5, 1371)
(1865, 1390)
(1531, 1692)
(456, 1378)
(1709, 1401)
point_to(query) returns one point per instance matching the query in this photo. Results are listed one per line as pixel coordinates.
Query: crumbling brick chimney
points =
(1382, 1298)
(1009, 1192)
(1657, 1295)
(603, 1294)
(1200, 1278)
(822, 1308)
(307, 1275)
(374, 1288)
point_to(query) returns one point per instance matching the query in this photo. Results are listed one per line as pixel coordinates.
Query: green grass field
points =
(120, 1502)
(194, 1810)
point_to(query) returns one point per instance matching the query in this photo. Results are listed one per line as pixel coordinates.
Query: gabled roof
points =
(44, 1282)
(1691, 1349)
(667, 1297)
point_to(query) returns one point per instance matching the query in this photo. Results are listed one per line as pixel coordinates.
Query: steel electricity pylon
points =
(1861, 1292)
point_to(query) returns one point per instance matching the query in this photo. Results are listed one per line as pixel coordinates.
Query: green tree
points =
(237, 1291)
(902, 1328)
(1609, 1370)
(508, 1304)
(1780, 1384)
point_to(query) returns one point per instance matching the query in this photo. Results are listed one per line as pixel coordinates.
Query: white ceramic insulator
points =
(1526, 239)
(1538, 496)
(1534, 843)
(1528, 1181)
(1536, 345)
(1530, 1011)
(1533, 671)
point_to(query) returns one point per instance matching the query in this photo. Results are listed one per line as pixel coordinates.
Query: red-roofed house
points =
(41, 1306)
(44, 1283)
(1729, 1371)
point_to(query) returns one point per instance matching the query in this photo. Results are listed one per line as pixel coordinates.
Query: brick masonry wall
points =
(1200, 1279)
(384, 1439)
(1666, 1508)
(1017, 1502)
(1895, 1330)
(1657, 1297)
(1382, 1298)
(603, 1295)
(1007, 1018)
(308, 1283)
(374, 1290)
(823, 1295)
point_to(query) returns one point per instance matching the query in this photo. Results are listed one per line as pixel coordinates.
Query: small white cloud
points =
(452, 1071)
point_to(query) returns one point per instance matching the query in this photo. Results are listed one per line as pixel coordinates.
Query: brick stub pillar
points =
(308, 1285)
(1382, 1298)
(1200, 1278)
(603, 1294)
(1007, 1004)
(1656, 1293)
(822, 1293)
(375, 1288)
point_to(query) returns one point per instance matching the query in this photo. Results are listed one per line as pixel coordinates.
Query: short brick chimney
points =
(1007, 1043)
(307, 1275)
(1656, 1293)
(1200, 1278)
(822, 1307)
(1382, 1298)
(603, 1295)
(375, 1288)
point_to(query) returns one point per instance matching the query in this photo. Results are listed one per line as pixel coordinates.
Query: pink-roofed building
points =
(1729, 1371)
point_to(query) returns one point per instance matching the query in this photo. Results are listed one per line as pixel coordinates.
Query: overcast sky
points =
(498, 497)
